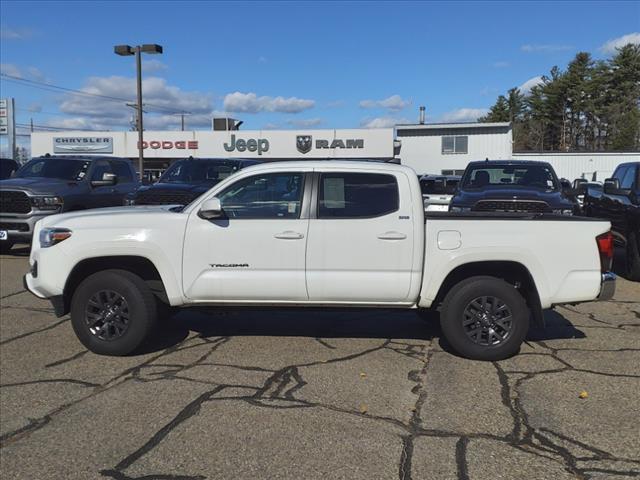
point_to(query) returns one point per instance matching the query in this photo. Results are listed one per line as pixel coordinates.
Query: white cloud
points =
(393, 103)
(162, 102)
(382, 122)
(547, 48)
(305, 123)
(15, 33)
(463, 115)
(615, 43)
(270, 126)
(251, 103)
(526, 87)
(152, 65)
(500, 64)
(31, 73)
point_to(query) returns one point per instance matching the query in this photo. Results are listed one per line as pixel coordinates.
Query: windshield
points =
(198, 171)
(61, 168)
(439, 186)
(530, 176)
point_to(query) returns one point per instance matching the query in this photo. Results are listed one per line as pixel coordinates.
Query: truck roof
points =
(490, 163)
(347, 164)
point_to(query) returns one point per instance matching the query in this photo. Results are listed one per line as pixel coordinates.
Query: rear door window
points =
(357, 195)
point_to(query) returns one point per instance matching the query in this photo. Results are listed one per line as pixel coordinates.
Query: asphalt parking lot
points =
(302, 394)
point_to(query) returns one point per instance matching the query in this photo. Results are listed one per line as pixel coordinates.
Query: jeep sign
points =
(252, 145)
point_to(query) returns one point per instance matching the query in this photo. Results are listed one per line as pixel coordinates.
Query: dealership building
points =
(427, 148)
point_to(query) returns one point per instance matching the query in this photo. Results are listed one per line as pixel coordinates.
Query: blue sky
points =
(293, 64)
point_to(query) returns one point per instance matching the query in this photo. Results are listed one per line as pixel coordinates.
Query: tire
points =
(490, 329)
(633, 256)
(130, 321)
(5, 246)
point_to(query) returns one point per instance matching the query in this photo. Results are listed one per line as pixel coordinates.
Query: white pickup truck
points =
(317, 233)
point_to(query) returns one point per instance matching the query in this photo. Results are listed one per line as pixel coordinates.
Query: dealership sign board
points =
(262, 144)
(77, 144)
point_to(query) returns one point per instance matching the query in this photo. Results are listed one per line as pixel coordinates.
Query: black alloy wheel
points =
(107, 315)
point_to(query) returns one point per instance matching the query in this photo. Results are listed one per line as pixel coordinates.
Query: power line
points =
(48, 127)
(51, 87)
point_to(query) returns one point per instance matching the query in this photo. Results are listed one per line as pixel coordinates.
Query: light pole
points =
(126, 50)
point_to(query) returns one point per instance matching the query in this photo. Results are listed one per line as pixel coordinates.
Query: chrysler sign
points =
(83, 145)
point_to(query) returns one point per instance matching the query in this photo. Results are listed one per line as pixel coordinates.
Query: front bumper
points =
(20, 227)
(607, 286)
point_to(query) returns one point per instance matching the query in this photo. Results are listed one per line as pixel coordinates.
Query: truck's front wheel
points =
(113, 312)
(484, 318)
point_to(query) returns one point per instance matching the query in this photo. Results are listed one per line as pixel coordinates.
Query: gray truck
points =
(56, 184)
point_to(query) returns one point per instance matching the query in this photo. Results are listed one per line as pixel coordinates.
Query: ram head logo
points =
(304, 143)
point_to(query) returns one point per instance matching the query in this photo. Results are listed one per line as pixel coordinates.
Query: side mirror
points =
(565, 184)
(611, 185)
(579, 181)
(107, 180)
(211, 209)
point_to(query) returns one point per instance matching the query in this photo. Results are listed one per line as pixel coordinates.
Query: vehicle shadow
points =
(332, 323)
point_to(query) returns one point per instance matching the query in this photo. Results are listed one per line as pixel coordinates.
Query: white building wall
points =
(581, 165)
(275, 144)
(424, 153)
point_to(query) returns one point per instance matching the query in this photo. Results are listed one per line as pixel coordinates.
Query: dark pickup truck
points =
(55, 184)
(619, 202)
(512, 186)
(185, 180)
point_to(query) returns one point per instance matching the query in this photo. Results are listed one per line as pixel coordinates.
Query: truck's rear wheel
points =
(113, 312)
(484, 318)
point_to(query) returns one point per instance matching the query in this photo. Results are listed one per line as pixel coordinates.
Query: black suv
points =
(513, 186)
(55, 184)
(186, 180)
(619, 202)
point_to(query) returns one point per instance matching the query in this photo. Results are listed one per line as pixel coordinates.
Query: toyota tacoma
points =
(320, 234)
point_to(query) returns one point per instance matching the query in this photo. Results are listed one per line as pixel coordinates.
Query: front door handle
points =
(289, 235)
(392, 236)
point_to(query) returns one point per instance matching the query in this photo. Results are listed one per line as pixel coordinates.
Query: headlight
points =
(47, 203)
(129, 201)
(52, 236)
(563, 211)
(459, 209)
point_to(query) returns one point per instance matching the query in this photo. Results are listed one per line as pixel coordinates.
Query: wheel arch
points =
(138, 265)
(511, 272)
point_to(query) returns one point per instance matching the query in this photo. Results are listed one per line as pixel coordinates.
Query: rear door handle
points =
(289, 235)
(392, 236)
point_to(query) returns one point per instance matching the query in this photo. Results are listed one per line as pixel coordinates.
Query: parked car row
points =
(57, 184)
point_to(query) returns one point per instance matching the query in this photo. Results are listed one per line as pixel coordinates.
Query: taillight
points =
(605, 247)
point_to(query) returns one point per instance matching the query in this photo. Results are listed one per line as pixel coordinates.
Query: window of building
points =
(357, 195)
(272, 195)
(455, 144)
(452, 172)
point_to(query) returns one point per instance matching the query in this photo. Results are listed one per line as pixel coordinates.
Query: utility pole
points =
(126, 50)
